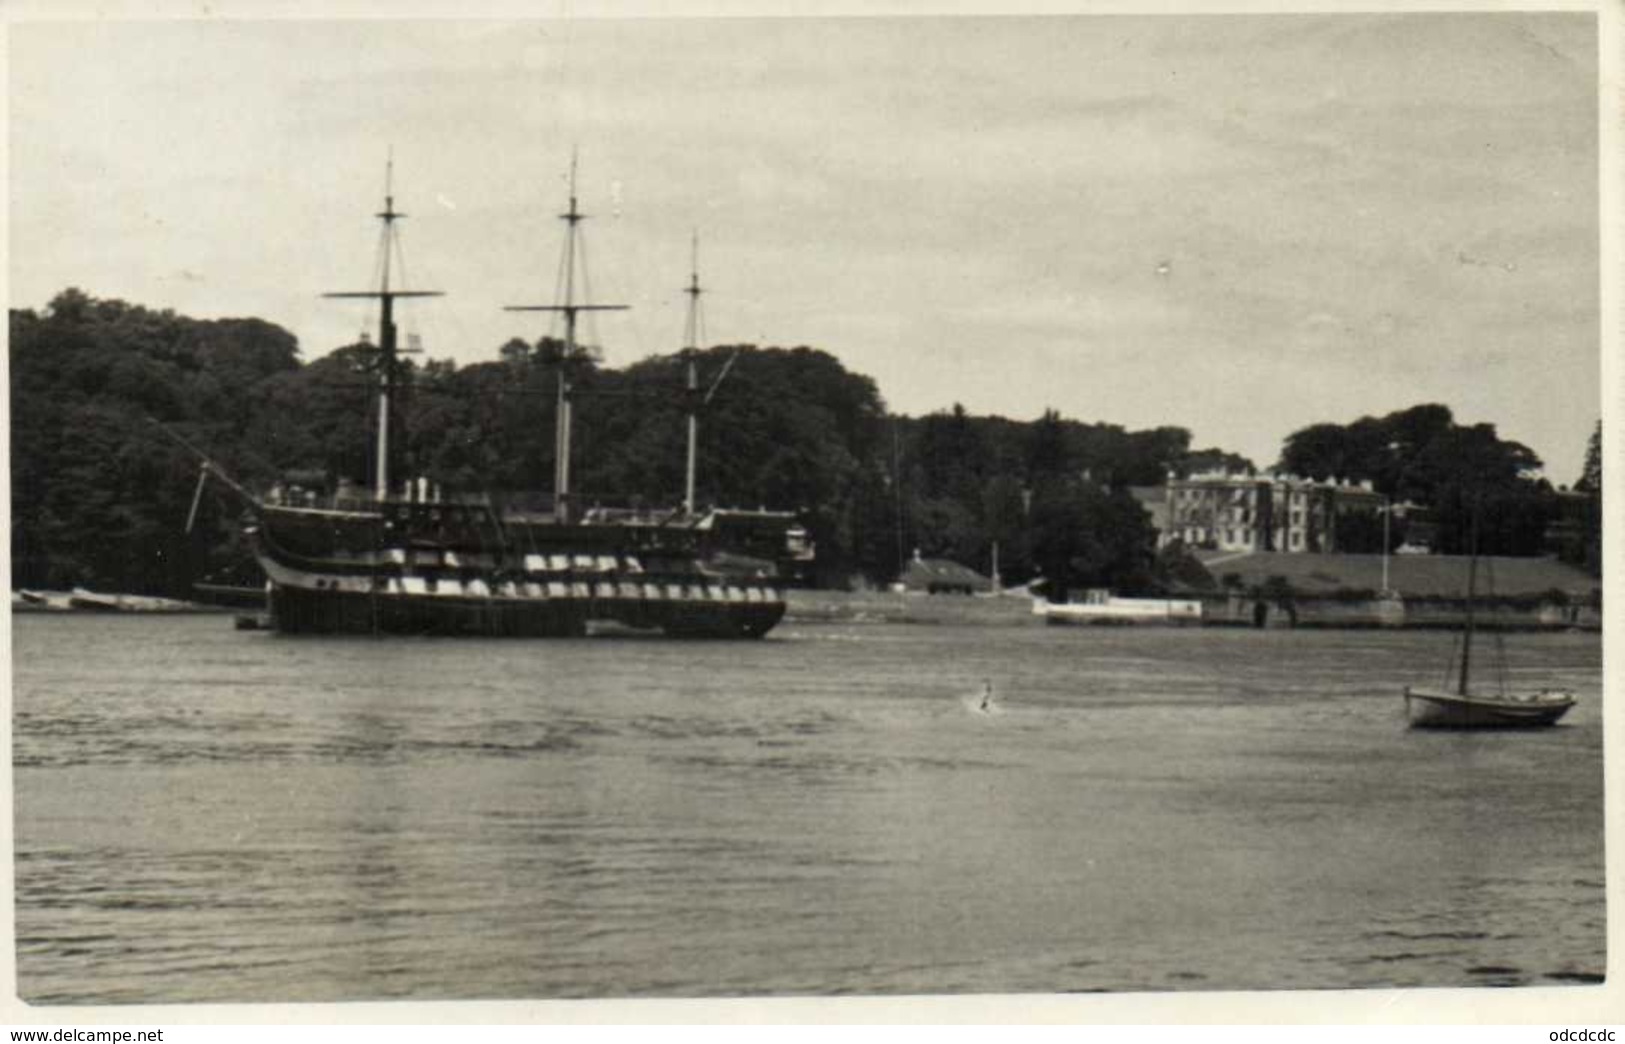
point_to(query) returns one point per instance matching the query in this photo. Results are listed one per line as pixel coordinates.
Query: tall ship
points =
(403, 558)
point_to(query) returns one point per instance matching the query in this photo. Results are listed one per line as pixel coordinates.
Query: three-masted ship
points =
(402, 559)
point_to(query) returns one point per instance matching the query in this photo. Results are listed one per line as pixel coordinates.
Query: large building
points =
(1265, 512)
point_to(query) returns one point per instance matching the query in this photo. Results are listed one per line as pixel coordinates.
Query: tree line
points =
(101, 495)
(1472, 487)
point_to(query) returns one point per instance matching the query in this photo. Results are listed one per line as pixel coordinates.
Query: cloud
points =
(1231, 222)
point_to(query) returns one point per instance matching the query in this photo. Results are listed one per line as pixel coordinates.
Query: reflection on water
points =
(210, 815)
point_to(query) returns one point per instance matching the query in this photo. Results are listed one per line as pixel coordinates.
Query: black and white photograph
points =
(810, 506)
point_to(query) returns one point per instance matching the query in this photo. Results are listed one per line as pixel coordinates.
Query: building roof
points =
(1270, 478)
(923, 574)
(1416, 575)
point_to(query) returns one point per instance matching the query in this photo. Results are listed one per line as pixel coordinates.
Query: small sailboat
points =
(1459, 707)
(1437, 709)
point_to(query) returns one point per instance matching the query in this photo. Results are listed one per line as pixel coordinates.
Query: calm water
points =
(208, 815)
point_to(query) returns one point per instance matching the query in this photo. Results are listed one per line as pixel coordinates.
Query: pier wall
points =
(1501, 614)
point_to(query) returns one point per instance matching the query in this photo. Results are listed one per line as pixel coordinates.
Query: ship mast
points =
(570, 308)
(693, 334)
(388, 355)
(691, 346)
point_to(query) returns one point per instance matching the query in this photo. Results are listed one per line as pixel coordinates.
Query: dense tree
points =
(1119, 458)
(1583, 512)
(1005, 512)
(1083, 536)
(101, 495)
(1591, 475)
(1049, 454)
(1213, 459)
(1333, 452)
(1454, 472)
(952, 455)
(968, 483)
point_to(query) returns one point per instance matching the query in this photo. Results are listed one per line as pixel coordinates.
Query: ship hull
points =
(1435, 709)
(295, 610)
(584, 575)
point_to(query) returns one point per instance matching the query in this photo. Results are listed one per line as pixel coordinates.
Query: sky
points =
(1238, 224)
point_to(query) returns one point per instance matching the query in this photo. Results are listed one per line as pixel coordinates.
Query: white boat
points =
(93, 601)
(35, 602)
(1103, 608)
(1462, 708)
(1438, 709)
(96, 602)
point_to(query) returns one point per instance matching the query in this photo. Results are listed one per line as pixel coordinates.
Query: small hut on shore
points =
(943, 576)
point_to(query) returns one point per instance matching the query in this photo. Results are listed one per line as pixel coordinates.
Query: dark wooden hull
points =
(326, 579)
(295, 610)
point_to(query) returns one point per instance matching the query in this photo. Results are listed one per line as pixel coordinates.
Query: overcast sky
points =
(1237, 224)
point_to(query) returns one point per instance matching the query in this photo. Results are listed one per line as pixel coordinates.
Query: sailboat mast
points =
(568, 306)
(1472, 586)
(690, 347)
(388, 356)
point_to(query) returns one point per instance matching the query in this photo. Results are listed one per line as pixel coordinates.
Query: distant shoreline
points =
(818, 607)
